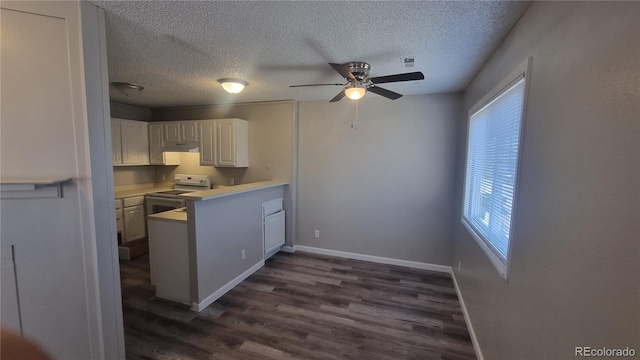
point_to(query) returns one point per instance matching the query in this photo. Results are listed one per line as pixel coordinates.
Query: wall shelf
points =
(30, 188)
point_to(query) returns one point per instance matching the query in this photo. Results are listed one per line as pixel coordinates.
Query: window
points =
(493, 148)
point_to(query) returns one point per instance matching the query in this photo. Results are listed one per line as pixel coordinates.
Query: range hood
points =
(180, 146)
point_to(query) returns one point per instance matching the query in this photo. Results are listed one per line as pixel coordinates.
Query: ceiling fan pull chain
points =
(354, 124)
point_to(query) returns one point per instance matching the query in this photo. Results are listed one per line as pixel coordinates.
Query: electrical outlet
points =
(459, 265)
(232, 181)
(316, 234)
(164, 177)
(244, 254)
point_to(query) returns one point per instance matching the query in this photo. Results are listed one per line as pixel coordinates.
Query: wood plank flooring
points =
(302, 306)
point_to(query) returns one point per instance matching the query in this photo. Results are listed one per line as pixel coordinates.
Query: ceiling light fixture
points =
(233, 86)
(127, 89)
(356, 91)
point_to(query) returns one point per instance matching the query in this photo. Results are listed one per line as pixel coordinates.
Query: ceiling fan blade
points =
(384, 92)
(315, 85)
(343, 70)
(338, 97)
(398, 77)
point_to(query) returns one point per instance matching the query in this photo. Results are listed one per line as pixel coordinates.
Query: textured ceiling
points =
(178, 49)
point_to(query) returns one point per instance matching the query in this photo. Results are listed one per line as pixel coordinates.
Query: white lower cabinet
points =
(119, 221)
(134, 219)
(273, 222)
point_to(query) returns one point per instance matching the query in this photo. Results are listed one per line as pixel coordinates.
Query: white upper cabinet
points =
(135, 142)
(156, 142)
(232, 143)
(224, 143)
(130, 142)
(189, 130)
(207, 142)
(116, 142)
(175, 131)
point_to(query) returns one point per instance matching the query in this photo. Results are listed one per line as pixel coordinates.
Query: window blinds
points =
(492, 161)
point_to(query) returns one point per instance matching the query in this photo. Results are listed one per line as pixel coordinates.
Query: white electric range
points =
(162, 201)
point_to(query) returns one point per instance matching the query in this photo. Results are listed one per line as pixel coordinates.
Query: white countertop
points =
(231, 190)
(177, 215)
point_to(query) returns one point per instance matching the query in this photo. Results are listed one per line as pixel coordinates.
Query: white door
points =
(226, 143)
(9, 293)
(208, 142)
(46, 126)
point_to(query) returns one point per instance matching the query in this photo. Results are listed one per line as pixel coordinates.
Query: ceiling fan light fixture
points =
(233, 86)
(355, 93)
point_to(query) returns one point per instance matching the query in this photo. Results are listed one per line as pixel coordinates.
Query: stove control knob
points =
(178, 178)
(202, 181)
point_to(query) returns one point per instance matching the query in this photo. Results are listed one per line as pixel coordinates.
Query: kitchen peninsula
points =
(224, 237)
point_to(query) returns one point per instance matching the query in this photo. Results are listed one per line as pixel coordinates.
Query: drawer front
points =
(133, 201)
(118, 204)
(271, 207)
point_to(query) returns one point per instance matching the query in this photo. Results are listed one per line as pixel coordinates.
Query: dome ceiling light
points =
(233, 86)
(127, 89)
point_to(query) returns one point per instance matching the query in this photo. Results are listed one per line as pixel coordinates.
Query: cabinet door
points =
(189, 131)
(274, 231)
(135, 142)
(208, 142)
(155, 144)
(226, 143)
(134, 224)
(116, 142)
(171, 131)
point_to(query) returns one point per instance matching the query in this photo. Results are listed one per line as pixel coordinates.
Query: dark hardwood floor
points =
(302, 306)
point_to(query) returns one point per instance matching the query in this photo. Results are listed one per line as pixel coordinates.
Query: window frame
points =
(520, 72)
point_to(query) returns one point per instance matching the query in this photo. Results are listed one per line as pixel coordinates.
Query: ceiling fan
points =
(358, 81)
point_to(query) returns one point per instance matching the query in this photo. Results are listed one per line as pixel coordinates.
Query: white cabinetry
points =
(232, 148)
(130, 142)
(134, 219)
(174, 131)
(273, 218)
(119, 220)
(116, 142)
(156, 142)
(208, 142)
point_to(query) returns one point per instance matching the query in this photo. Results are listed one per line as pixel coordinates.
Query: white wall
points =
(575, 273)
(382, 189)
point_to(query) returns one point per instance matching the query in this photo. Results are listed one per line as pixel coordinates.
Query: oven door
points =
(160, 204)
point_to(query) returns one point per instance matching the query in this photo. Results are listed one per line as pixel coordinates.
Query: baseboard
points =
(288, 249)
(225, 288)
(472, 333)
(375, 259)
